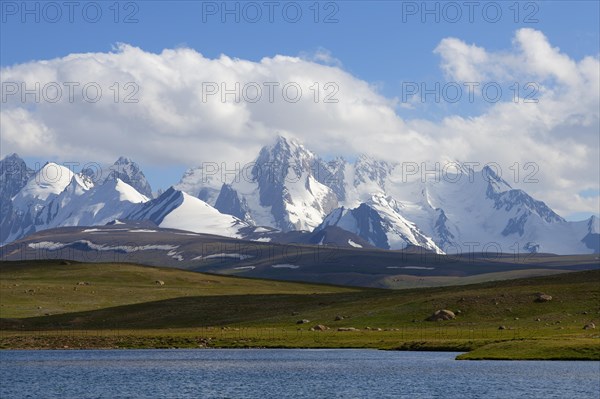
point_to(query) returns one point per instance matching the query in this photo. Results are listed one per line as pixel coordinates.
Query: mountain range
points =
(290, 194)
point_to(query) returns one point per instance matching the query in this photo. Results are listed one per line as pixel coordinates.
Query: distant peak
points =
(12, 157)
(123, 160)
(288, 143)
(285, 148)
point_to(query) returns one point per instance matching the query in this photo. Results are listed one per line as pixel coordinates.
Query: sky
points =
(401, 80)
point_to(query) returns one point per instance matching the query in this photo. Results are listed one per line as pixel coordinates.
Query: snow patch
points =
(224, 255)
(54, 246)
(285, 266)
(353, 244)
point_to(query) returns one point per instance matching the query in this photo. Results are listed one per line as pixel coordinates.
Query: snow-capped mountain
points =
(178, 210)
(82, 204)
(29, 211)
(289, 188)
(379, 222)
(468, 211)
(284, 189)
(55, 196)
(130, 173)
(465, 212)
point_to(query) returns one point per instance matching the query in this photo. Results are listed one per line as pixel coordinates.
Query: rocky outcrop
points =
(442, 314)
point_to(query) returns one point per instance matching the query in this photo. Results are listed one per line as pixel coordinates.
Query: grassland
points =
(46, 304)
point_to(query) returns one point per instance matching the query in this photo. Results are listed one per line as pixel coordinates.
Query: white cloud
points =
(171, 124)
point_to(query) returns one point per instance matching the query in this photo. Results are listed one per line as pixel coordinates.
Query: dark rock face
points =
(156, 209)
(14, 174)
(444, 235)
(129, 172)
(229, 202)
(592, 239)
(370, 226)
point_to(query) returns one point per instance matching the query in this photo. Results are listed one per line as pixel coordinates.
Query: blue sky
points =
(384, 43)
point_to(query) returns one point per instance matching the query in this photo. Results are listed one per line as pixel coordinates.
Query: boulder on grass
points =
(541, 297)
(590, 326)
(320, 327)
(303, 321)
(159, 282)
(442, 314)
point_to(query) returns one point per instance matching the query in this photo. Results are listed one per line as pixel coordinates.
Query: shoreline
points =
(505, 350)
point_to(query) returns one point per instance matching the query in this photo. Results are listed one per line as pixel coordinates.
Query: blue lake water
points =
(286, 373)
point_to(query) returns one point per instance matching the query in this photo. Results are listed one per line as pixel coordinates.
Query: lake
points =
(282, 373)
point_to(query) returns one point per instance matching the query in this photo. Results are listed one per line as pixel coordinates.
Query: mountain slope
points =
(178, 210)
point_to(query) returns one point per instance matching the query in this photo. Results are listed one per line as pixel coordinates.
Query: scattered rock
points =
(347, 329)
(541, 297)
(502, 328)
(295, 313)
(516, 318)
(320, 327)
(159, 282)
(458, 311)
(442, 314)
(590, 326)
(303, 321)
(65, 263)
(538, 319)
(83, 283)
(338, 318)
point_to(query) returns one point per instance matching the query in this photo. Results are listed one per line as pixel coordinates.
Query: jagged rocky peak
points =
(275, 162)
(14, 175)
(129, 172)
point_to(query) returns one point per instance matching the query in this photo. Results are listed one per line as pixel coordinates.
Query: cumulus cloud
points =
(177, 119)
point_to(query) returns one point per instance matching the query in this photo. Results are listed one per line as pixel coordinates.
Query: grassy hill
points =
(50, 304)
